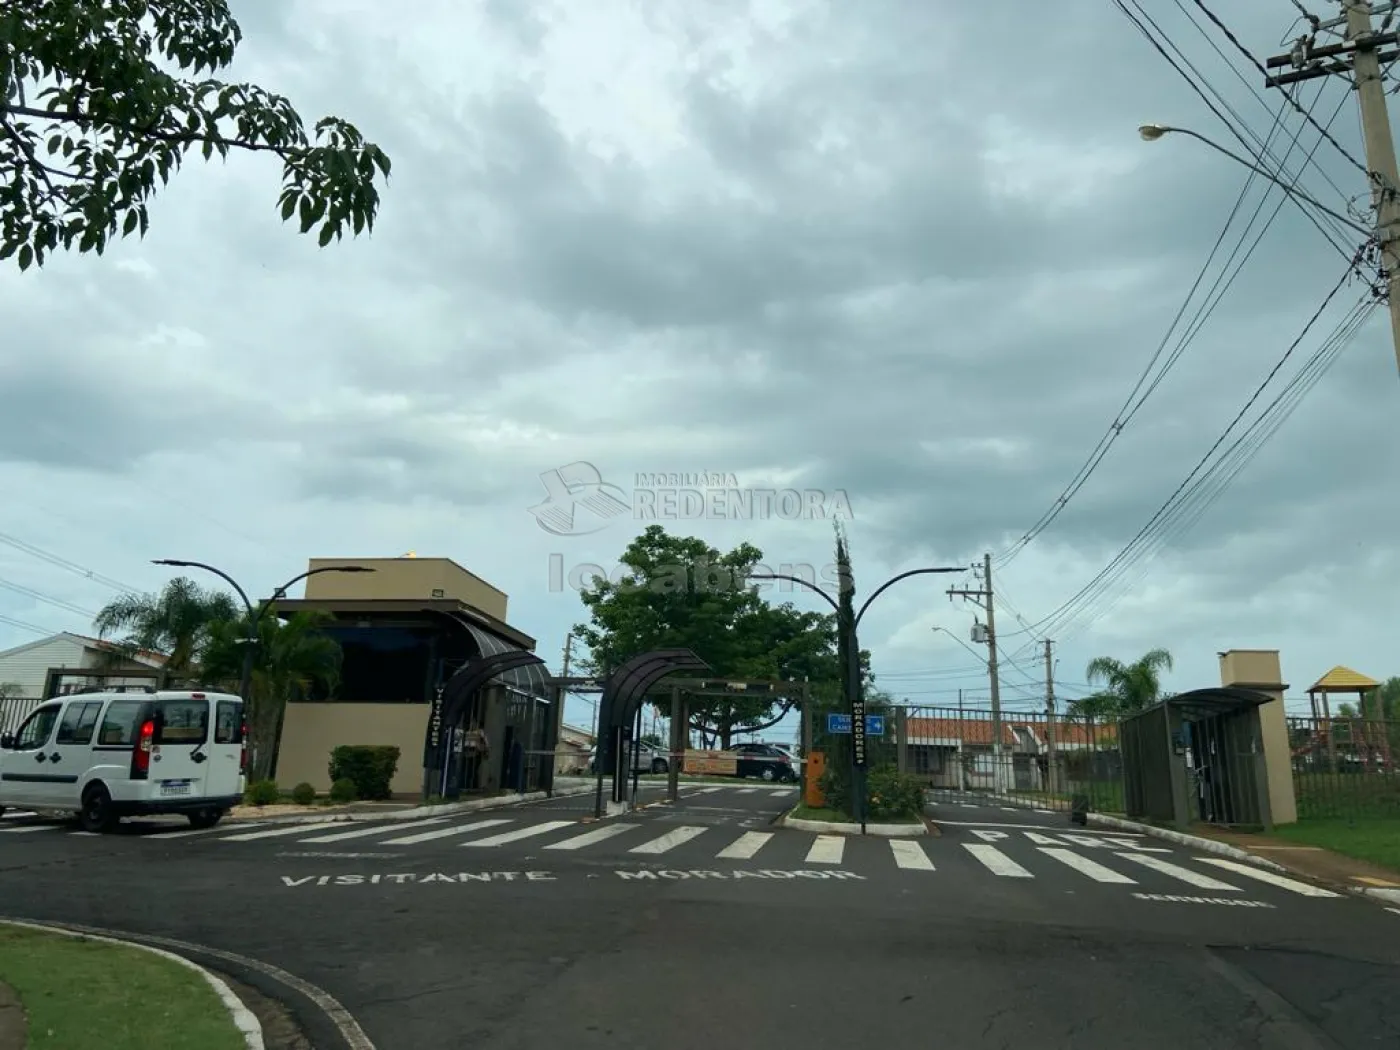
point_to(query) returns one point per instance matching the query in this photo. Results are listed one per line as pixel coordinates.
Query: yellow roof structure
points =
(1343, 680)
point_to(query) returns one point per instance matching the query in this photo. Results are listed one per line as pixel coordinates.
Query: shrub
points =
(370, 766)
(836, 787)
(343, 790)
(303, 794)
(891, 794)
(263, 793)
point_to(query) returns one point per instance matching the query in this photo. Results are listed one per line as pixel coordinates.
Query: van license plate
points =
(174, 787)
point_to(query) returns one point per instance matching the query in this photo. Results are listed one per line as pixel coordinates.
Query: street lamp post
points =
(255, 615)
(1153, 132)
(848, 626)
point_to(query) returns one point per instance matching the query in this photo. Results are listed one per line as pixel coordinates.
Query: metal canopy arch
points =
(450, 703)
(623, 694)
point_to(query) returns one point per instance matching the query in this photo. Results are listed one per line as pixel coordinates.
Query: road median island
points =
(84, 993)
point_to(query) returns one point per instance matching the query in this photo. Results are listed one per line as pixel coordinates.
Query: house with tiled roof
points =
(955, 749)
(24, 670)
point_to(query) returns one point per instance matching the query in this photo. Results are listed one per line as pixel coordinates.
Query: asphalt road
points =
(699, 924)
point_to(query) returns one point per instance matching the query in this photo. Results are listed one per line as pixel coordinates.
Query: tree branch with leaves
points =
(92, 125)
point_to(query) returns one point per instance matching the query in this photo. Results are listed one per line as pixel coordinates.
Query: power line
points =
(1213, 297)
(1212, 485)
(23, 625)
(58, 603)
(1230, 36)
(63, 563)
(1058, 618)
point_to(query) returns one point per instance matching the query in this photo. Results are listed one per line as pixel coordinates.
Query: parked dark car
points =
(765, 762)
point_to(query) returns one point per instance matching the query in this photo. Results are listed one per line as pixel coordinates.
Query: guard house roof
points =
(1343, 680)
(1204, 703)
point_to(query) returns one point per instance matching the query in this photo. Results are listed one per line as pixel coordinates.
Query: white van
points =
(106, 756)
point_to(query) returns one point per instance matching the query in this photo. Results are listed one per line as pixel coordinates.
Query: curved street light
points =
(1153, 132)
(847, 625)
(255, 616)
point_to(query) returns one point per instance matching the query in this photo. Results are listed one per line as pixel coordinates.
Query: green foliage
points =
(343, 791)
(891, 794)
(292, 658)
(91, 125)
(835, 785)
(1128, 688)
(262, 793)
(177, 622)
(370, 767)
(303, 794)
(679, 592)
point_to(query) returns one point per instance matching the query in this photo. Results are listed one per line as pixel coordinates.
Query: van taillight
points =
(141, 756)
(243, 748)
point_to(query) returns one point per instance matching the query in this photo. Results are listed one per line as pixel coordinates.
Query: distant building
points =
(26, 671)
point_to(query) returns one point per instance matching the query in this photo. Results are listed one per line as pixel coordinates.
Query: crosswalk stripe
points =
(780, 792)
(204, 831)
(86, 834)
(522, 833)
(375, 829)
(1195, 878)
(1293, 885)
(18, 813)
(910, 855)
(669, 841)
(995, 861)
(708, 790)
(969, 805)
(745, 846)
(1085, 866)
(1043, 811)
(295, 829)
(442, 833)
(747, 791)
(590, 838)
(1008, 809)
(29, 828)
(827, 849)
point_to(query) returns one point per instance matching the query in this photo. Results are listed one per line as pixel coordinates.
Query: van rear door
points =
(180, 749)
(225, 768)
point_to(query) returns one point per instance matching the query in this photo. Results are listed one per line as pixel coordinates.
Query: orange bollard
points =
(816, 766)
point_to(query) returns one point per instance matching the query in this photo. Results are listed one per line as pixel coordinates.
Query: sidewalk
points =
(1313, 862)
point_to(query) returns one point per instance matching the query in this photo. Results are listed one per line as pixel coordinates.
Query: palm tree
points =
(1128, 688)
(291, 660)
(175, 622)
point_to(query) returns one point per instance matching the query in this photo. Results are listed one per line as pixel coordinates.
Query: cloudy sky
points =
(912, 252)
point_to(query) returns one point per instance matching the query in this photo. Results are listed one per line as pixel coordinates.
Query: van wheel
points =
(205, 818)
(97, 814)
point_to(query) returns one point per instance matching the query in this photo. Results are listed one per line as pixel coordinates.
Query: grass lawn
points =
(1372, 839)
(89, 995)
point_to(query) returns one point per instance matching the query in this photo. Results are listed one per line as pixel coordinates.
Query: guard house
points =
(404, 630)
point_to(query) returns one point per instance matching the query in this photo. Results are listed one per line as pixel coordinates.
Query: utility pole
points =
(984, 598)
(1050, 757)
(1364, 47)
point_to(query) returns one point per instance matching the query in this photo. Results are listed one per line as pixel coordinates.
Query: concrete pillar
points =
(1260, 670)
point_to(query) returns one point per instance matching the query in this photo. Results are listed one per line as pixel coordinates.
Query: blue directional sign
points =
(874, 724)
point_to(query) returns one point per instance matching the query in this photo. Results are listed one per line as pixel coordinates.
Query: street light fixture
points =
(1153, 132)
(255, 615)
(847, 626)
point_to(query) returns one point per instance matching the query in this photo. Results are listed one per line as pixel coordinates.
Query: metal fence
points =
(1041, 760)
(14, 710)
(1345, 767)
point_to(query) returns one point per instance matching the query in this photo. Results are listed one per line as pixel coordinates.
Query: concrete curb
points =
(1221, 849)
(446, 809)
(890, 831)
(242, 1018)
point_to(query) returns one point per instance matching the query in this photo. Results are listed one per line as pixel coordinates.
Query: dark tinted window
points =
(78, 723)
(36, 729)
(119, 724)
(228, 723)
(182, 722)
